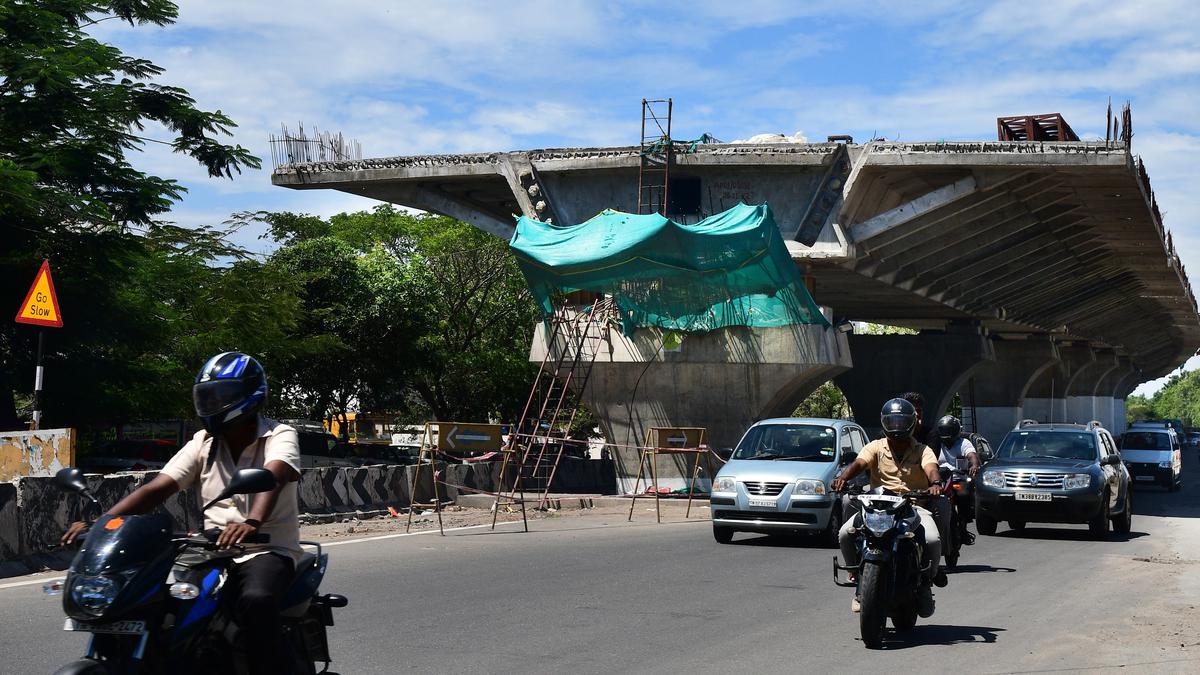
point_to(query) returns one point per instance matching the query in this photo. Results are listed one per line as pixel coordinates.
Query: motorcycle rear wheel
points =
(872, 617)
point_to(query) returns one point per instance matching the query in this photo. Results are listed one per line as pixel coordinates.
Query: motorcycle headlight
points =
(94, 595)
(878, 523)
(809, 487)
(1074, 481)
(993, 479)
(725, 484)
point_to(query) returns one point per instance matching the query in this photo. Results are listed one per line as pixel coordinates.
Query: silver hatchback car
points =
(777, 480)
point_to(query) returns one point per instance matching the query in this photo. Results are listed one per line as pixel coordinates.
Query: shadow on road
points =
(939, 634)
(979, 569)
(802, 540)
(1064, 534)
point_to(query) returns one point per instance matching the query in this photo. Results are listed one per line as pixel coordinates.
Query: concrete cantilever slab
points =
(723, 380)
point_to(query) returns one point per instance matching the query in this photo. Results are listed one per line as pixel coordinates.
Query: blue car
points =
(777, 480)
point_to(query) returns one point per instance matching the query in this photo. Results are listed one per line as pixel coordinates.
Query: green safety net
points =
(731, 269)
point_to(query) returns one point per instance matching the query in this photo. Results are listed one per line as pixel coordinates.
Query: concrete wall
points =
(36, 453)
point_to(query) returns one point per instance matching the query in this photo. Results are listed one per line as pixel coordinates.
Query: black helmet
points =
(948, 429)
(230, 388)
(898, 418)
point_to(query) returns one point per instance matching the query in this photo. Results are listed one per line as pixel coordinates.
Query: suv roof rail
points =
(1025, 423)
(1095, 424)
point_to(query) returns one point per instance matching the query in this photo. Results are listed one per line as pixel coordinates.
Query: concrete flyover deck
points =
(1058, 242)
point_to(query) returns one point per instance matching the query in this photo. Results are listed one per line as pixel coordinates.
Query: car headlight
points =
(993, 479)
(1164, 465)
(1074, 481)
(809, 487)
(878, 523)
(94, 595)
(725, 484)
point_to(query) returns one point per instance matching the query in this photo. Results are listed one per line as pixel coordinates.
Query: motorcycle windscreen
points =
(117, 543)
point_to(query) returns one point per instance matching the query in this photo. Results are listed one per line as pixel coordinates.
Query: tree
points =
(452, 332)
(71, 108)
(826, 401)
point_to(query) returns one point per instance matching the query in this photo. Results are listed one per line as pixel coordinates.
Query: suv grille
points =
(1026, 479)
(764, 489)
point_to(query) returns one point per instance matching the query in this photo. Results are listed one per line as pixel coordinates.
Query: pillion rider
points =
(898, 463)
(229, 394)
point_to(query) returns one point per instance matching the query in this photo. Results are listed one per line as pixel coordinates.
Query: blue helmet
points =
(230, 388)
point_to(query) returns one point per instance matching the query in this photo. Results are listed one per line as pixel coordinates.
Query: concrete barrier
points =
(34, 512)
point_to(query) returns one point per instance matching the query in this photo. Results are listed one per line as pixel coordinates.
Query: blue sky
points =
(433, 77)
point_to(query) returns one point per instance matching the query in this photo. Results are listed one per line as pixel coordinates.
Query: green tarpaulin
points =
(731, 269)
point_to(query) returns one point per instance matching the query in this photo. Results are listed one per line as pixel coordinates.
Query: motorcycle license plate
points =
(763, 503)
(118, 627)
(1033, 496)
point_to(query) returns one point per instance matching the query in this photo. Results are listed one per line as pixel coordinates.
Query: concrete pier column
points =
(723, 380)
(1083, 405)
(1124, 388)
(1106, 390)
(1001, 386)
(1046, 399)
(934, 363)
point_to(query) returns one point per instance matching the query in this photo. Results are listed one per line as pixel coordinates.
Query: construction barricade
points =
(690, 441)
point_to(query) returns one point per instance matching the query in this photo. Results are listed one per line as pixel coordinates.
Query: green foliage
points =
(882, 329)
(418, 314)
(826, 401)
(138, 306)
(1179, 398)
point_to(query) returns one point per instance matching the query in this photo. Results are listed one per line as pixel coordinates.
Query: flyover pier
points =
(1027, 267)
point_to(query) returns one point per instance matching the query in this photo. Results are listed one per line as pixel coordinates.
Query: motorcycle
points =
(893, 565)
(959, 500)
(152, 598)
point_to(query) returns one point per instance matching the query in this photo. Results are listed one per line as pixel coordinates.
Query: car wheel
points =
(985, 525)
(1123, 523)
(722, 534)
(1175, 485)
(1016, 525)
(1098, 526)
(830, 536)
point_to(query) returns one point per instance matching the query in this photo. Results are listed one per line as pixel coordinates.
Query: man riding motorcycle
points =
(899, 464)
(229, 394)
(954, 447)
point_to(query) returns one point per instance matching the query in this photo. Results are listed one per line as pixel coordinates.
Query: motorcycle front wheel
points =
(872, 617)
(83, 667)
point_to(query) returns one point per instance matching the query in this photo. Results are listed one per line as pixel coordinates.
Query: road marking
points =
(46, 576)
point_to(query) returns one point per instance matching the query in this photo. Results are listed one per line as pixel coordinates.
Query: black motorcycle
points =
(960, 501)
(891, 546)
(152, 598)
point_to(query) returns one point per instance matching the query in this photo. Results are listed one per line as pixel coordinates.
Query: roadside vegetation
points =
(1178, 399)
(416, 314)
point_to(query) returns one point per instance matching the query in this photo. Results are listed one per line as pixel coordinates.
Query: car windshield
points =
(796, 442)
(1145, 440)
(1048, 445)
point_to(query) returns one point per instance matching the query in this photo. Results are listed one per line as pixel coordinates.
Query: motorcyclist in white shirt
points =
(953, 447)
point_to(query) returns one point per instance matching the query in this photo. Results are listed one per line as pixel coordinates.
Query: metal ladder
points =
(539, 439)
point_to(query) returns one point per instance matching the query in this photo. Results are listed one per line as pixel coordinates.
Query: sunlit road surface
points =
(599, 595)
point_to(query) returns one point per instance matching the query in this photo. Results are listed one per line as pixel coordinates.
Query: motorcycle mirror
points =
(70, 479)
(246, 482)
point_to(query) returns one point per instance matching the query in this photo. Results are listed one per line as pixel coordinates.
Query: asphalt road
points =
(597, 595)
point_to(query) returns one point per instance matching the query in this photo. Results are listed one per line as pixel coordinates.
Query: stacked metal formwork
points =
(575, 337)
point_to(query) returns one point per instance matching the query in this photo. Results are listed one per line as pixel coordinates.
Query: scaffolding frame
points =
(656, 157)
(653, 448)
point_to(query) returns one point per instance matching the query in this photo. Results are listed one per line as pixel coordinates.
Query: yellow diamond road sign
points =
(41, 304)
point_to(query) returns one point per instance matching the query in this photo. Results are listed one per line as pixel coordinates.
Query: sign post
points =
(40, 308)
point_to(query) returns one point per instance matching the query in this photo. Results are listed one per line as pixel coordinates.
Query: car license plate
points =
(1033, 496)
(119, 627)
(764, 503)
(1148, 479)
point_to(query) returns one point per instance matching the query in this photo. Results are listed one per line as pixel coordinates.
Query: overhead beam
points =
(925, 204)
